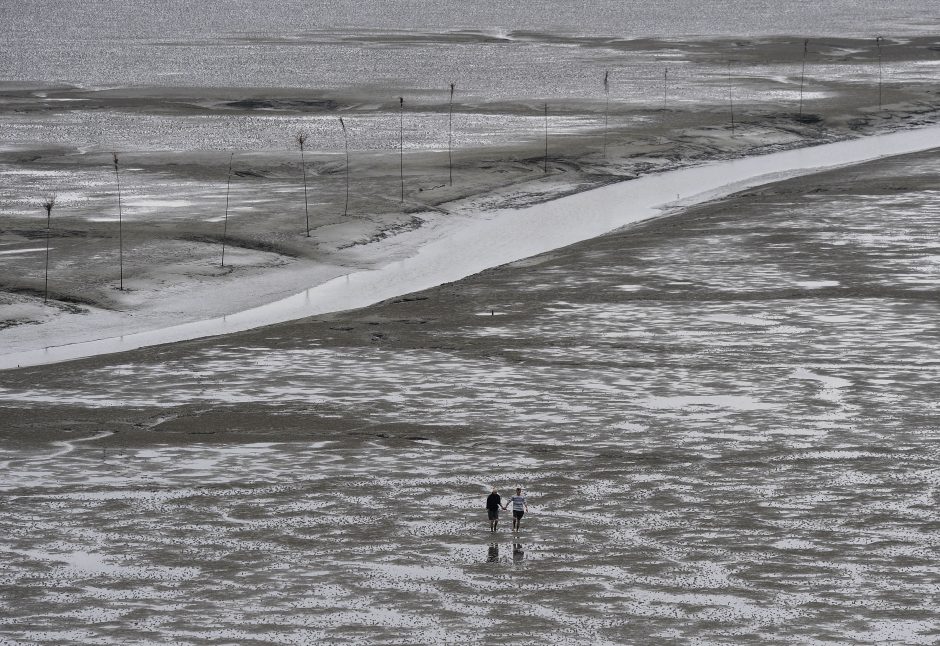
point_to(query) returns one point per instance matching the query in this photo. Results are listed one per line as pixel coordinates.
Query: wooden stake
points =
(803, 74)
(880, 71)
(302, 139)
(117, 177)
(47, 203)
(401, 144)
(346, 145)
(228, 189)
(665, 87)
(730, 98)
(606, 107)
(450, 135)
(546, 138)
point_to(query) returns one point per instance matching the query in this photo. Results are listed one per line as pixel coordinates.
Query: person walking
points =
(493, 504)
(519, 508)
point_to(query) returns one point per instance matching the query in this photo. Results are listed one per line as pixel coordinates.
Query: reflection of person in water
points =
(518, 553)
(492, 555)
(493, 504)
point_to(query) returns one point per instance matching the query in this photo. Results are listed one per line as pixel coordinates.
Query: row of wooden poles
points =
(49, 202)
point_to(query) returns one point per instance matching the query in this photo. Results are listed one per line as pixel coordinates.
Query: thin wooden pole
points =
(606, 106)
(346, 145)
(880, 71)
(665, 88)
(45, 291)
(117, 177)
(302, 139)
(401, 144)
(803, 74)
(228, 190)
(731, 98)
(546, 139)
(47, 204)
(450, 135)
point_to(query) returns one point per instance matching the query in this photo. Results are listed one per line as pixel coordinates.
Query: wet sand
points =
(725, 420)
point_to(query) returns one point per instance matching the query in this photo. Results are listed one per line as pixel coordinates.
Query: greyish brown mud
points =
(726, 421)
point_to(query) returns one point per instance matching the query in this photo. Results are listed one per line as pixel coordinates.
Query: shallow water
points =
(367, 54)
(499, 47)
(300, 542)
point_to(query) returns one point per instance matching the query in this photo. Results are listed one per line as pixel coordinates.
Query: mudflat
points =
(725, 421)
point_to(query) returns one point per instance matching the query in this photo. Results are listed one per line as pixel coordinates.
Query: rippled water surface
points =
(502, 48)
(366, 54)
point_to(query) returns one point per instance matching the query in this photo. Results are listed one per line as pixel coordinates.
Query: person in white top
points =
(519, 508)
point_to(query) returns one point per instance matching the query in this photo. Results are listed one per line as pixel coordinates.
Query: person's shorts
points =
(517, 513)
(493, 513)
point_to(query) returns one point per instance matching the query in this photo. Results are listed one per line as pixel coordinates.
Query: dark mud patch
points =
(293, 105)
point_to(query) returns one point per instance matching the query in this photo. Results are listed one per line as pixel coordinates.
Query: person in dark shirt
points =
(493, 504)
